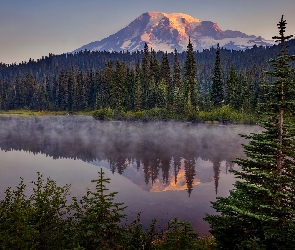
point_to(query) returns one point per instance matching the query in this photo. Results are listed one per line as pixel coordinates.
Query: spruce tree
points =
(166, 76)
(260, 212)
(99, 224)
(217, 96)
(178, 101)
(233, 90)
(146, 75)
(72, 83)
(155, 67)
(138, 88)
(177, 78)
(161, 94)
(190, 80)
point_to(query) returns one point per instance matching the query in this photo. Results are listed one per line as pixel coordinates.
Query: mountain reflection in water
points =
(156, 156)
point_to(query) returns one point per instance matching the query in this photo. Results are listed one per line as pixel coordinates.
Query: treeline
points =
(150, 83)
(85, 60)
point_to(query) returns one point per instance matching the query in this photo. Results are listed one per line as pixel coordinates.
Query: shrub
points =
(103, 114)
(46, 220)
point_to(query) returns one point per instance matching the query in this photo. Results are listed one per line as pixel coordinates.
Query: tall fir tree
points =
(177, 77)
(177, 86)
(161, 95)
(146, 75)
(155, 67)
(72, 83)
(138, 88)
(99, 224)
(190, 80)
(217, 96)
(260, 212)
(232, 91)
(166, 75)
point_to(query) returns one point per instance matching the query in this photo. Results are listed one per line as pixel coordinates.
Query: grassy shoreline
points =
(217, 116)
(222, 115)
(24, 112)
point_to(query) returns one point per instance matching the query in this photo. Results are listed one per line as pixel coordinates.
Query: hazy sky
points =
(33, 28)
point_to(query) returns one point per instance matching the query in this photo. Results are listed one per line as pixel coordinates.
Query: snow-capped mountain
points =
(165, 32)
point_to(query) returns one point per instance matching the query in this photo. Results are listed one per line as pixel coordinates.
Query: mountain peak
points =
(174, 15)
(167, 31)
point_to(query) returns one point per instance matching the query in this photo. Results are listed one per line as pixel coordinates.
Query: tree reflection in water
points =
(161, 150)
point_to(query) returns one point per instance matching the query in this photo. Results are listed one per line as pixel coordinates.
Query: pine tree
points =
(177, 78)
(146, 75)
(190, 80)
(63, 91)
(178, 102)
(138, 88)
(72, 83)
(118, 88)
(130, 89)
(108, 79)
(155, 67)
(233, 91)
(161, 94)
(55, 92)
(217, 96)
(260, 212)
(99, 225)
(166, 75)
(41, 221)
(247, 92)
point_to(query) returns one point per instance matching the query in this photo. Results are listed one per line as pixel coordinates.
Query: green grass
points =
(26, 112)
(223, 114)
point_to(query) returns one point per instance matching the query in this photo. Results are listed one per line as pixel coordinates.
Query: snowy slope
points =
(165, 32)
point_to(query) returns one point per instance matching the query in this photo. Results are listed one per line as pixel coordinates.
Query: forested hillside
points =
(177, 82)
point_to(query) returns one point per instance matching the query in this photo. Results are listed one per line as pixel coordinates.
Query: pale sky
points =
(35, 28)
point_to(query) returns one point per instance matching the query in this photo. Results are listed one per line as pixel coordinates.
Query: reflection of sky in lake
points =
(166, 169)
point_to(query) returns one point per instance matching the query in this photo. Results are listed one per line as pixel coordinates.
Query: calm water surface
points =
(161, 169)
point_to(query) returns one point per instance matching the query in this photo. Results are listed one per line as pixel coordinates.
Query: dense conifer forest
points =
(178, 83)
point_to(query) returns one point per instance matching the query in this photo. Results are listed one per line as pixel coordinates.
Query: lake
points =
(161, 169)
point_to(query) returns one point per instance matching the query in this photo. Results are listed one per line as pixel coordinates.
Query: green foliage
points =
(15, 216)
(37, 222)
(124, 86)
(46, 220)
(162, 95)
(217, 96)
(99, 224)
(103, 114)
(155, 114)
(260, 212)
(137, 238)
(225, 113)
(178, 236)
(178, 100)
(144, 115)
(206, 243)
(190, 81)
(50, 207)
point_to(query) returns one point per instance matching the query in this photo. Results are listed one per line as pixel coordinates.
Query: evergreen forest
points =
(145, 84)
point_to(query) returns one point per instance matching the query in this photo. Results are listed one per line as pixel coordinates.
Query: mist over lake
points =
(161, 169)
